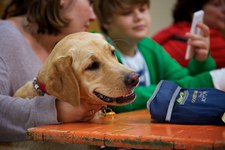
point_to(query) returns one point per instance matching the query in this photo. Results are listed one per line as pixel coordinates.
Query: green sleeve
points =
(196, 67)
(173, 71)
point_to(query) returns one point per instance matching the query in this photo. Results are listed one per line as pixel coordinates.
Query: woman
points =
(173, 38)
(28, 34)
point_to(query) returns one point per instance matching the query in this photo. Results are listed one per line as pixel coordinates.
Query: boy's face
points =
(131, 23)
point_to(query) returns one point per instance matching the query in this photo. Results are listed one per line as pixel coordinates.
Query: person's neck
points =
(42, 44)
(47, 41)
(126, 48)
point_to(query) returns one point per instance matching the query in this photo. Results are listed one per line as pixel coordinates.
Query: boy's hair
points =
(43, 13)
(104, 9)
(184, 9)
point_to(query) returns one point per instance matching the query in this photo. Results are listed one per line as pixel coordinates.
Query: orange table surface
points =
(133, 130)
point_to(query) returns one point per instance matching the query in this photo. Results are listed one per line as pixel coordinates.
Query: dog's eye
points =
(93, 66)
(113, 52)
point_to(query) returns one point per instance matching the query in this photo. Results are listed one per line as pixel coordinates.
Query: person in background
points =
(126, 24)
(29, 31)
(174, 40)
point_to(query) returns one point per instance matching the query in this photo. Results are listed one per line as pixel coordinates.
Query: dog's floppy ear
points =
(61, 81)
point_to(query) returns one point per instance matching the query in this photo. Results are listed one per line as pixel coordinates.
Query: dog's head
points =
(83, 65)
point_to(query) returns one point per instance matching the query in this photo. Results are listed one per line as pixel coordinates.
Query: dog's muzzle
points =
(119, 100)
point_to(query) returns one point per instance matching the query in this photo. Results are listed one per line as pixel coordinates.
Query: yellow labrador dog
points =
(83, 66)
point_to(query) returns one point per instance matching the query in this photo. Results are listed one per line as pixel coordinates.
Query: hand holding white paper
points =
(197, 17)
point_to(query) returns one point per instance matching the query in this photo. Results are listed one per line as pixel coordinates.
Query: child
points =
(126, 23)
(172, 37)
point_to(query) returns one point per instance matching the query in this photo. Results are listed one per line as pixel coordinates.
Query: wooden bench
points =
(132, 130)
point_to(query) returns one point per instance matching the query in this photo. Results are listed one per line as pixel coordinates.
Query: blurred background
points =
(161, 12)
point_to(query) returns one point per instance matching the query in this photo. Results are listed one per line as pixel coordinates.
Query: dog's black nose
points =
(131, 80)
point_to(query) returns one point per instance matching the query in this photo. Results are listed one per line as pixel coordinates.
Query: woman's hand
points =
(68, 113)
(200, 43)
